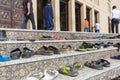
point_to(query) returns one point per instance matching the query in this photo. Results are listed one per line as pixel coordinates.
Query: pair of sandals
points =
(99, 64)
(49, 74)
(71, 70)
(50, 50)
(17, 53)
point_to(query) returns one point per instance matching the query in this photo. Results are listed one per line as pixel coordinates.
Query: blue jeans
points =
(97, 31)
(115, 22)
(86, 30)
(26, 18)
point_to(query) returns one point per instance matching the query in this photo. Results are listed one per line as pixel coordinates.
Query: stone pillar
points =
(56, 9)
(83, 16)
(35, 12)
(71, 15)
(92, 19)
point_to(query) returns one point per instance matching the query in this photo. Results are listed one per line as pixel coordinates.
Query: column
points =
(71, 15)
(35, 12)
(92, 19)
(83, 16)
(56, 9)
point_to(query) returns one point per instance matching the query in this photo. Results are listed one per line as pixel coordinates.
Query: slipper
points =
(36, 75)
(68, 70)
(104, 62)
(115, 57)
(94, 65)
(50, 74)
(27, 53)
(4, 58)
(15, 54)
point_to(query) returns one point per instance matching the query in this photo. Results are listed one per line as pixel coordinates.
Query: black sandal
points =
(15, 54)
(27, 53)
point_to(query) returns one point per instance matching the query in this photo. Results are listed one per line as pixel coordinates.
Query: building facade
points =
(69, 15)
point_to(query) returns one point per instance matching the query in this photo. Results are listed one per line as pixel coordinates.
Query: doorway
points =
(78, 16)
(64, 15)
(40, 6)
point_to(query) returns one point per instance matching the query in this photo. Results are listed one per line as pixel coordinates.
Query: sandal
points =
(70, 71)
(50, 74)
(56, 51)
(44, 51)
(104, 62)
(15, 54)
(94, 65)
(77, 65)
(35, 76)
(27, 53)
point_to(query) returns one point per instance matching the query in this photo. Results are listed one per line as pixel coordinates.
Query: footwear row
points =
(70, 70)
(51, 50)
(3, 37)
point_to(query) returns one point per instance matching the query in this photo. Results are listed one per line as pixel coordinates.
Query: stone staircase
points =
(20, 68)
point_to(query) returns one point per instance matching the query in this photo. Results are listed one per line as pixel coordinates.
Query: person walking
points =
(86, 28)
(115, 17)
(48, 16)
(28, 14)
(97, 27)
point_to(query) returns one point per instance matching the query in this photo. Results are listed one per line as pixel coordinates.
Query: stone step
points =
(19, 69)
(13, 33)
(91, 74)
(7, 46)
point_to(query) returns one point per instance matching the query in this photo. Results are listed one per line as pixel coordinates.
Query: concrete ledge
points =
(42, 57)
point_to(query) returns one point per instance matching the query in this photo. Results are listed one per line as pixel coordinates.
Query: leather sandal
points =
(27, 53)
(15, 54)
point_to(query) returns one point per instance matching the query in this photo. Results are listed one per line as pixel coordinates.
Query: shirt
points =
(97, 26)
(115, 14)
(86, 24)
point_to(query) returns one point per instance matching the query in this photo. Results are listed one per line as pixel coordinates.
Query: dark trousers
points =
(26, 18)
(115, 22)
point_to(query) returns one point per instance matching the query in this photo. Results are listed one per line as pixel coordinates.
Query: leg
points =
(112, 26)
(117, 23)
(23, 26)
(32, 21)
(85, 29)
(51, 27)
(116, 28)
